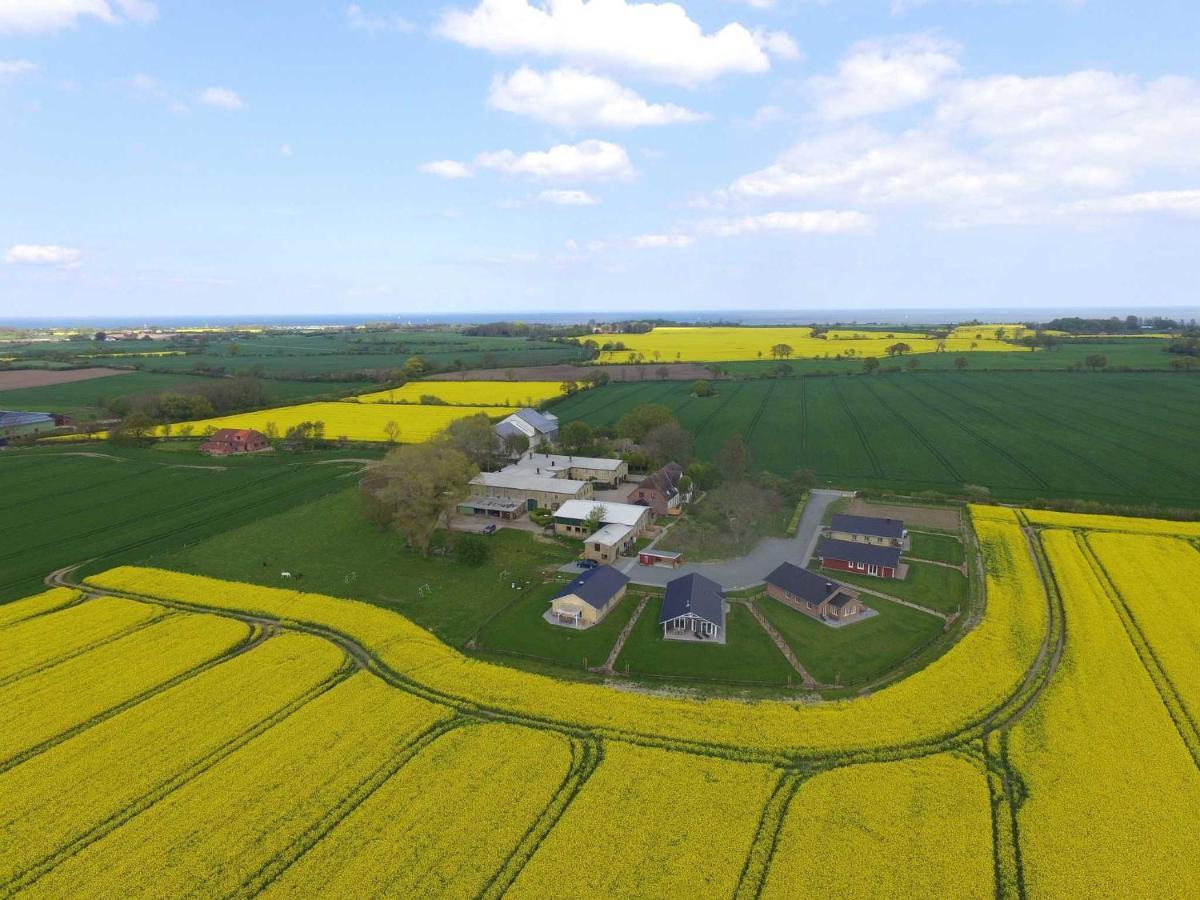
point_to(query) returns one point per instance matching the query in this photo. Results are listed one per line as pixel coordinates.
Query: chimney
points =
(828, 587)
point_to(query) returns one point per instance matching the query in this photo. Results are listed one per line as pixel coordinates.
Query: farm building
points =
(660, 491)
(528, 489)
(869, 559)
(868, 530)
(601, 470)
(587, 599)
(693, 609)
(812, 594)
(227, 441)
(24, 424)
(571, 517)
(538, 427)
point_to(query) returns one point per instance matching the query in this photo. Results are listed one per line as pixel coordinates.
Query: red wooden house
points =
(866, 559)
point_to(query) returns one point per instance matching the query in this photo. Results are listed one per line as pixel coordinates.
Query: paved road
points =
(751, 569)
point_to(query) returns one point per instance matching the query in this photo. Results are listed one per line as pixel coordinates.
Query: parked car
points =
(587, 564)
(489, 529)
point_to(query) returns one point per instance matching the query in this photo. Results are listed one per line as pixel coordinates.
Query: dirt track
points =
(677, 372)
(27, 378)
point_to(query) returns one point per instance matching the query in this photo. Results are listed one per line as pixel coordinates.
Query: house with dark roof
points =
(813, 594)
(868, 530)
(227, 441)
(587, 599)
(660, 491)
(693, 608)
(25, 424)
(538, 427)
(866, 559)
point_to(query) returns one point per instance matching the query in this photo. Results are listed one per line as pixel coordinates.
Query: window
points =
(872, 569)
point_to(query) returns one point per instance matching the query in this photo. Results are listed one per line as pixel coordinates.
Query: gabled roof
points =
(614, 513)
(876, 527)
(8, 419)
(693, 594)
(853, 551)
(840, 601)
(559, 461)
(610, 535)
(595, 587)
(528, 481)
(802, 583)
(545, 423)
(234, 434)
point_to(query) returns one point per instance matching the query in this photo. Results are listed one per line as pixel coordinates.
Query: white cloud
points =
(447, 168)
(883, 75)
(676, 241)
(823, 221)
(285, 150)
(359, 19)
(1182, 203)
(587, 159)
(43, 255)
(15, 68)
(33, 16)
(658, 40)
(221, 98)
(570, 98)
(568, 198)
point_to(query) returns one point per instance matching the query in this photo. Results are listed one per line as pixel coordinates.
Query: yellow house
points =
(587, 599)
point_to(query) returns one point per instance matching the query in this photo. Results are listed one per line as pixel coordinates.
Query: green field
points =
(937, 547)
(332, 550)
(58, 508)
(1122, 438)
(856, 653)
(749, 656)
(85, 399)
(928, 585)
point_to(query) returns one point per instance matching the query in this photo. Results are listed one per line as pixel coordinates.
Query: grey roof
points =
(8, 419)
(872, 525)
(853, 551)
(537, 420)
(693, 594)
(841, 600)
(508, 429)
(802, 583)
(596, 587)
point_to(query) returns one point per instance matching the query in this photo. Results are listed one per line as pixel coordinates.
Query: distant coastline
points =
(931, 316)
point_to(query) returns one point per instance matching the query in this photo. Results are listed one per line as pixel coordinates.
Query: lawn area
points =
(938, 547)
(332, 550)
(727, 523)
(521, 629)
(749, 656)
(856, 653)
(934, 586)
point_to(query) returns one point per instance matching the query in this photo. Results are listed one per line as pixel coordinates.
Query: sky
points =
(276, 158)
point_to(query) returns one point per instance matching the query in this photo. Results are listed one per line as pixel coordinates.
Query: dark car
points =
(489, 529)
(587, 564)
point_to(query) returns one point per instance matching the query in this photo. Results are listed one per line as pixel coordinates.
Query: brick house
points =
(227, 441)
(812, 594)
(865, 559)
(660, 491)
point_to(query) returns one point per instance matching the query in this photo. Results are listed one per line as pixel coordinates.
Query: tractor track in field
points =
(857, 426)
(916, 432)
(804, 419)
(758, 413)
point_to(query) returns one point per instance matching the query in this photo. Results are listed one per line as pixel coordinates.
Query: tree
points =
(516, 444)
(704, 475)
(702, 388)
(135, 429)
(417, 485)
(734, 458)
(414, 367)
(576, 436)
(639, 420)
(781, 351)
(474, 438)
(668, 442)
(595, 519)
(898, 349)
(100, 336)
(870, 364)
(1096, 361)
(960, 362)
(598, 378)
(470, 550)
(234, 348)
(392, 430)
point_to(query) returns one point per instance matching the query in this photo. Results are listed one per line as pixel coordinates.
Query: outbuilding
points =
(587, 599)
(25, 424)
(866, 559)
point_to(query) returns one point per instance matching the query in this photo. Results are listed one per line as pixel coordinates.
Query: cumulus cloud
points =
(447, 168)
(15, 68)
(822, 221)
(43, 255)
(358, 19)
(34, 16)
(883, 75)
(221, 98)
(657, 40)
(570, 98)
(590, 159)
(674, 241)
(1180, 203)
(568, 198)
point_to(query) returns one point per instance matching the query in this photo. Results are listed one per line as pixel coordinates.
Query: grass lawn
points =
(934, 586)
(854, 653)
(520, 628)
(938, 547)
(728, 523)
(749, 655)
(334, 551)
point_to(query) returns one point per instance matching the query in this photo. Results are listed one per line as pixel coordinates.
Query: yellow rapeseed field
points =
(930, 813)
(38, 604)
(1113, 793)
(1112, 523)
(699, 344)
(355, 421)
(651, 823)
(442, 825)
(469, 393)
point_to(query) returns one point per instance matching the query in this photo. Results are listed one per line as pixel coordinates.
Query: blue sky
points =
(306, 158)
